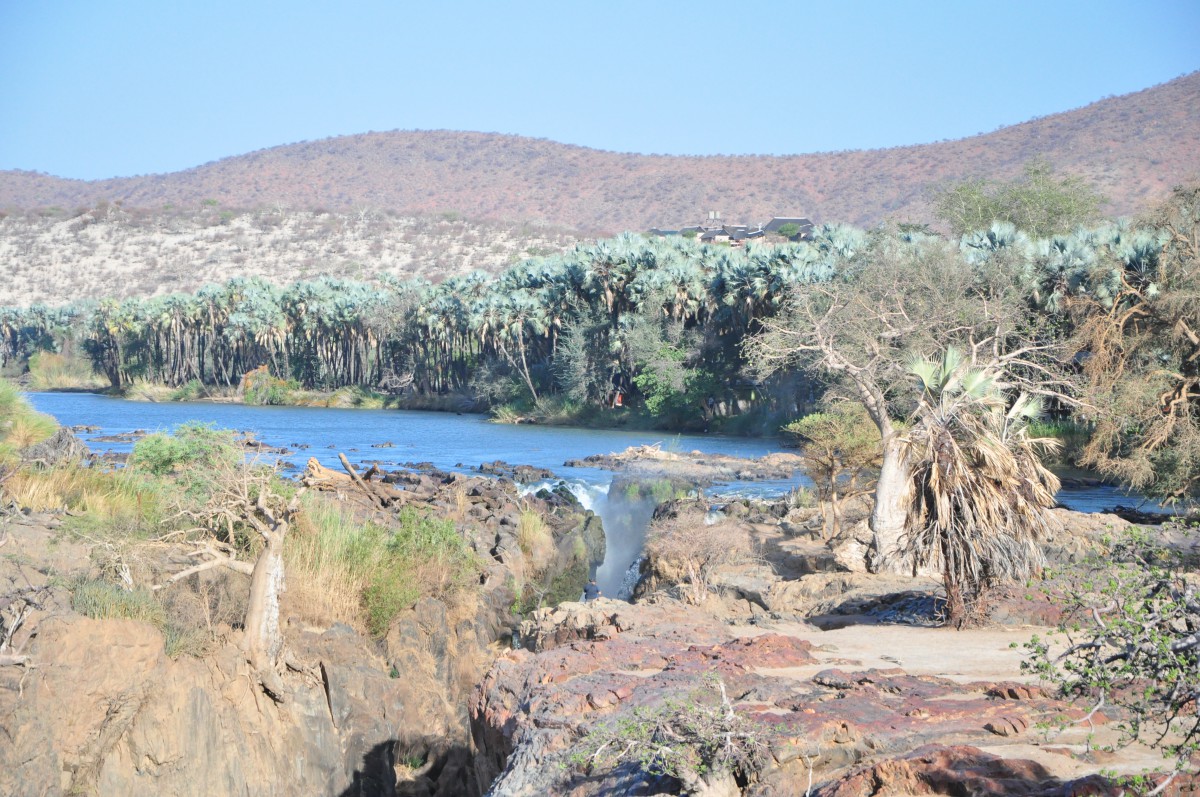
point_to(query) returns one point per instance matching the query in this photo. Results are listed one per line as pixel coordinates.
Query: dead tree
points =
(16, 608)
(242, 505)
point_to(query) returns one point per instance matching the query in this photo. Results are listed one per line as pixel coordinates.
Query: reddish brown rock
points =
(533, 709)
(960, 770)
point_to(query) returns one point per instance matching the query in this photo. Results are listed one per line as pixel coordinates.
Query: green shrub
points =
(103, 600)
(193, 445)
(190, 391)
(261, 387)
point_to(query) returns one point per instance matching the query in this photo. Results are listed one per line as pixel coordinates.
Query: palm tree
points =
(980, 495)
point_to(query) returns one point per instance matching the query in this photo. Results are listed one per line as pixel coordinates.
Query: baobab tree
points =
(242, 503)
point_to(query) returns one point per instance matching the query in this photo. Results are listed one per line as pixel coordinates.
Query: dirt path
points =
(963, 656)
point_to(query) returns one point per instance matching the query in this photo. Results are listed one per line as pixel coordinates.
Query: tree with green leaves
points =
(841, 454)
(1040, 203)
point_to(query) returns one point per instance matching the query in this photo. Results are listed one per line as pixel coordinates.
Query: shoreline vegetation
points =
(1085, 328)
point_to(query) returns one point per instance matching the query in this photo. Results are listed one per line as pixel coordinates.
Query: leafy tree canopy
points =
(1040, 203)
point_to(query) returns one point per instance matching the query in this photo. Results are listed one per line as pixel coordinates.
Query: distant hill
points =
(58, 257)
(1133, 147)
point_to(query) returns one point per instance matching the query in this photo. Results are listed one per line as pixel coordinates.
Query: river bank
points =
(549, 411)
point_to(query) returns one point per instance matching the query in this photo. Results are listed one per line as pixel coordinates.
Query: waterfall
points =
(625, 522)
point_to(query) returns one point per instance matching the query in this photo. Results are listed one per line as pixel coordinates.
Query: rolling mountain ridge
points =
(1133, 148)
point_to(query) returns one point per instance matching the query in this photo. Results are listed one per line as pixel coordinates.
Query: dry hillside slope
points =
(108, 251)
(1134, 147)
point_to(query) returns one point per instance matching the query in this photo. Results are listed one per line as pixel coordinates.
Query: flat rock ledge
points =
(834, 727)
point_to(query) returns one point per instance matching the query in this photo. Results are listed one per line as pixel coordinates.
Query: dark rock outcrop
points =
(61, 448)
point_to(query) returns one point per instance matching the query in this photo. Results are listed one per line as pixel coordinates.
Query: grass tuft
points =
(103, 600)
(535, 539)
(341, 569)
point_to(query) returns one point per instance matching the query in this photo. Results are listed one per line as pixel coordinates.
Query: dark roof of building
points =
(777, 222)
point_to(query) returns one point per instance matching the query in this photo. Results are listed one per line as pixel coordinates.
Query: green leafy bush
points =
(1132, 634)
(193, 445)
(189, 391)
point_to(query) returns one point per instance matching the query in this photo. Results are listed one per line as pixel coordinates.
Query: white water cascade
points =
(625, 522)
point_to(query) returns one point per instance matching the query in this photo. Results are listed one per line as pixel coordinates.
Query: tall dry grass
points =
(342, 569)
(20, 424)
(332, 559)
(535, 539)
(52, 371)
(108, 503)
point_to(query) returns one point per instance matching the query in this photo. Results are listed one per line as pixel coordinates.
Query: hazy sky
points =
(98, 89)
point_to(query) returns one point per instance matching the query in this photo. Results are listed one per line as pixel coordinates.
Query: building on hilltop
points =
(713, 231)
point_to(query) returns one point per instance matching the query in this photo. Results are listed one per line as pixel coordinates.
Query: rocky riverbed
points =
(848, 683)
(90, 705)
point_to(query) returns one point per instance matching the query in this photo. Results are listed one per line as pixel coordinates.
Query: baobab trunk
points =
(263, 640)
(889, 515)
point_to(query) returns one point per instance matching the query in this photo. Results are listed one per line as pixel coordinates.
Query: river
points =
(455, 443)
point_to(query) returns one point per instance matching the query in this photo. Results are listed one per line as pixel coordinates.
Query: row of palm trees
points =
(332, 333)
(439, 339)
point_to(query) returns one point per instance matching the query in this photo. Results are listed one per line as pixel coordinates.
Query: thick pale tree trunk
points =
(891, 496)
(263, 639)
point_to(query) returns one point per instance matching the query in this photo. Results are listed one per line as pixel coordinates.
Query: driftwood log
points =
(351, 483)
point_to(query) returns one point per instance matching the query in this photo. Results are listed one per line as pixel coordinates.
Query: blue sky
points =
(96, 89)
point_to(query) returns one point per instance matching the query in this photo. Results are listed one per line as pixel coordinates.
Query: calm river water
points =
(451, 442)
